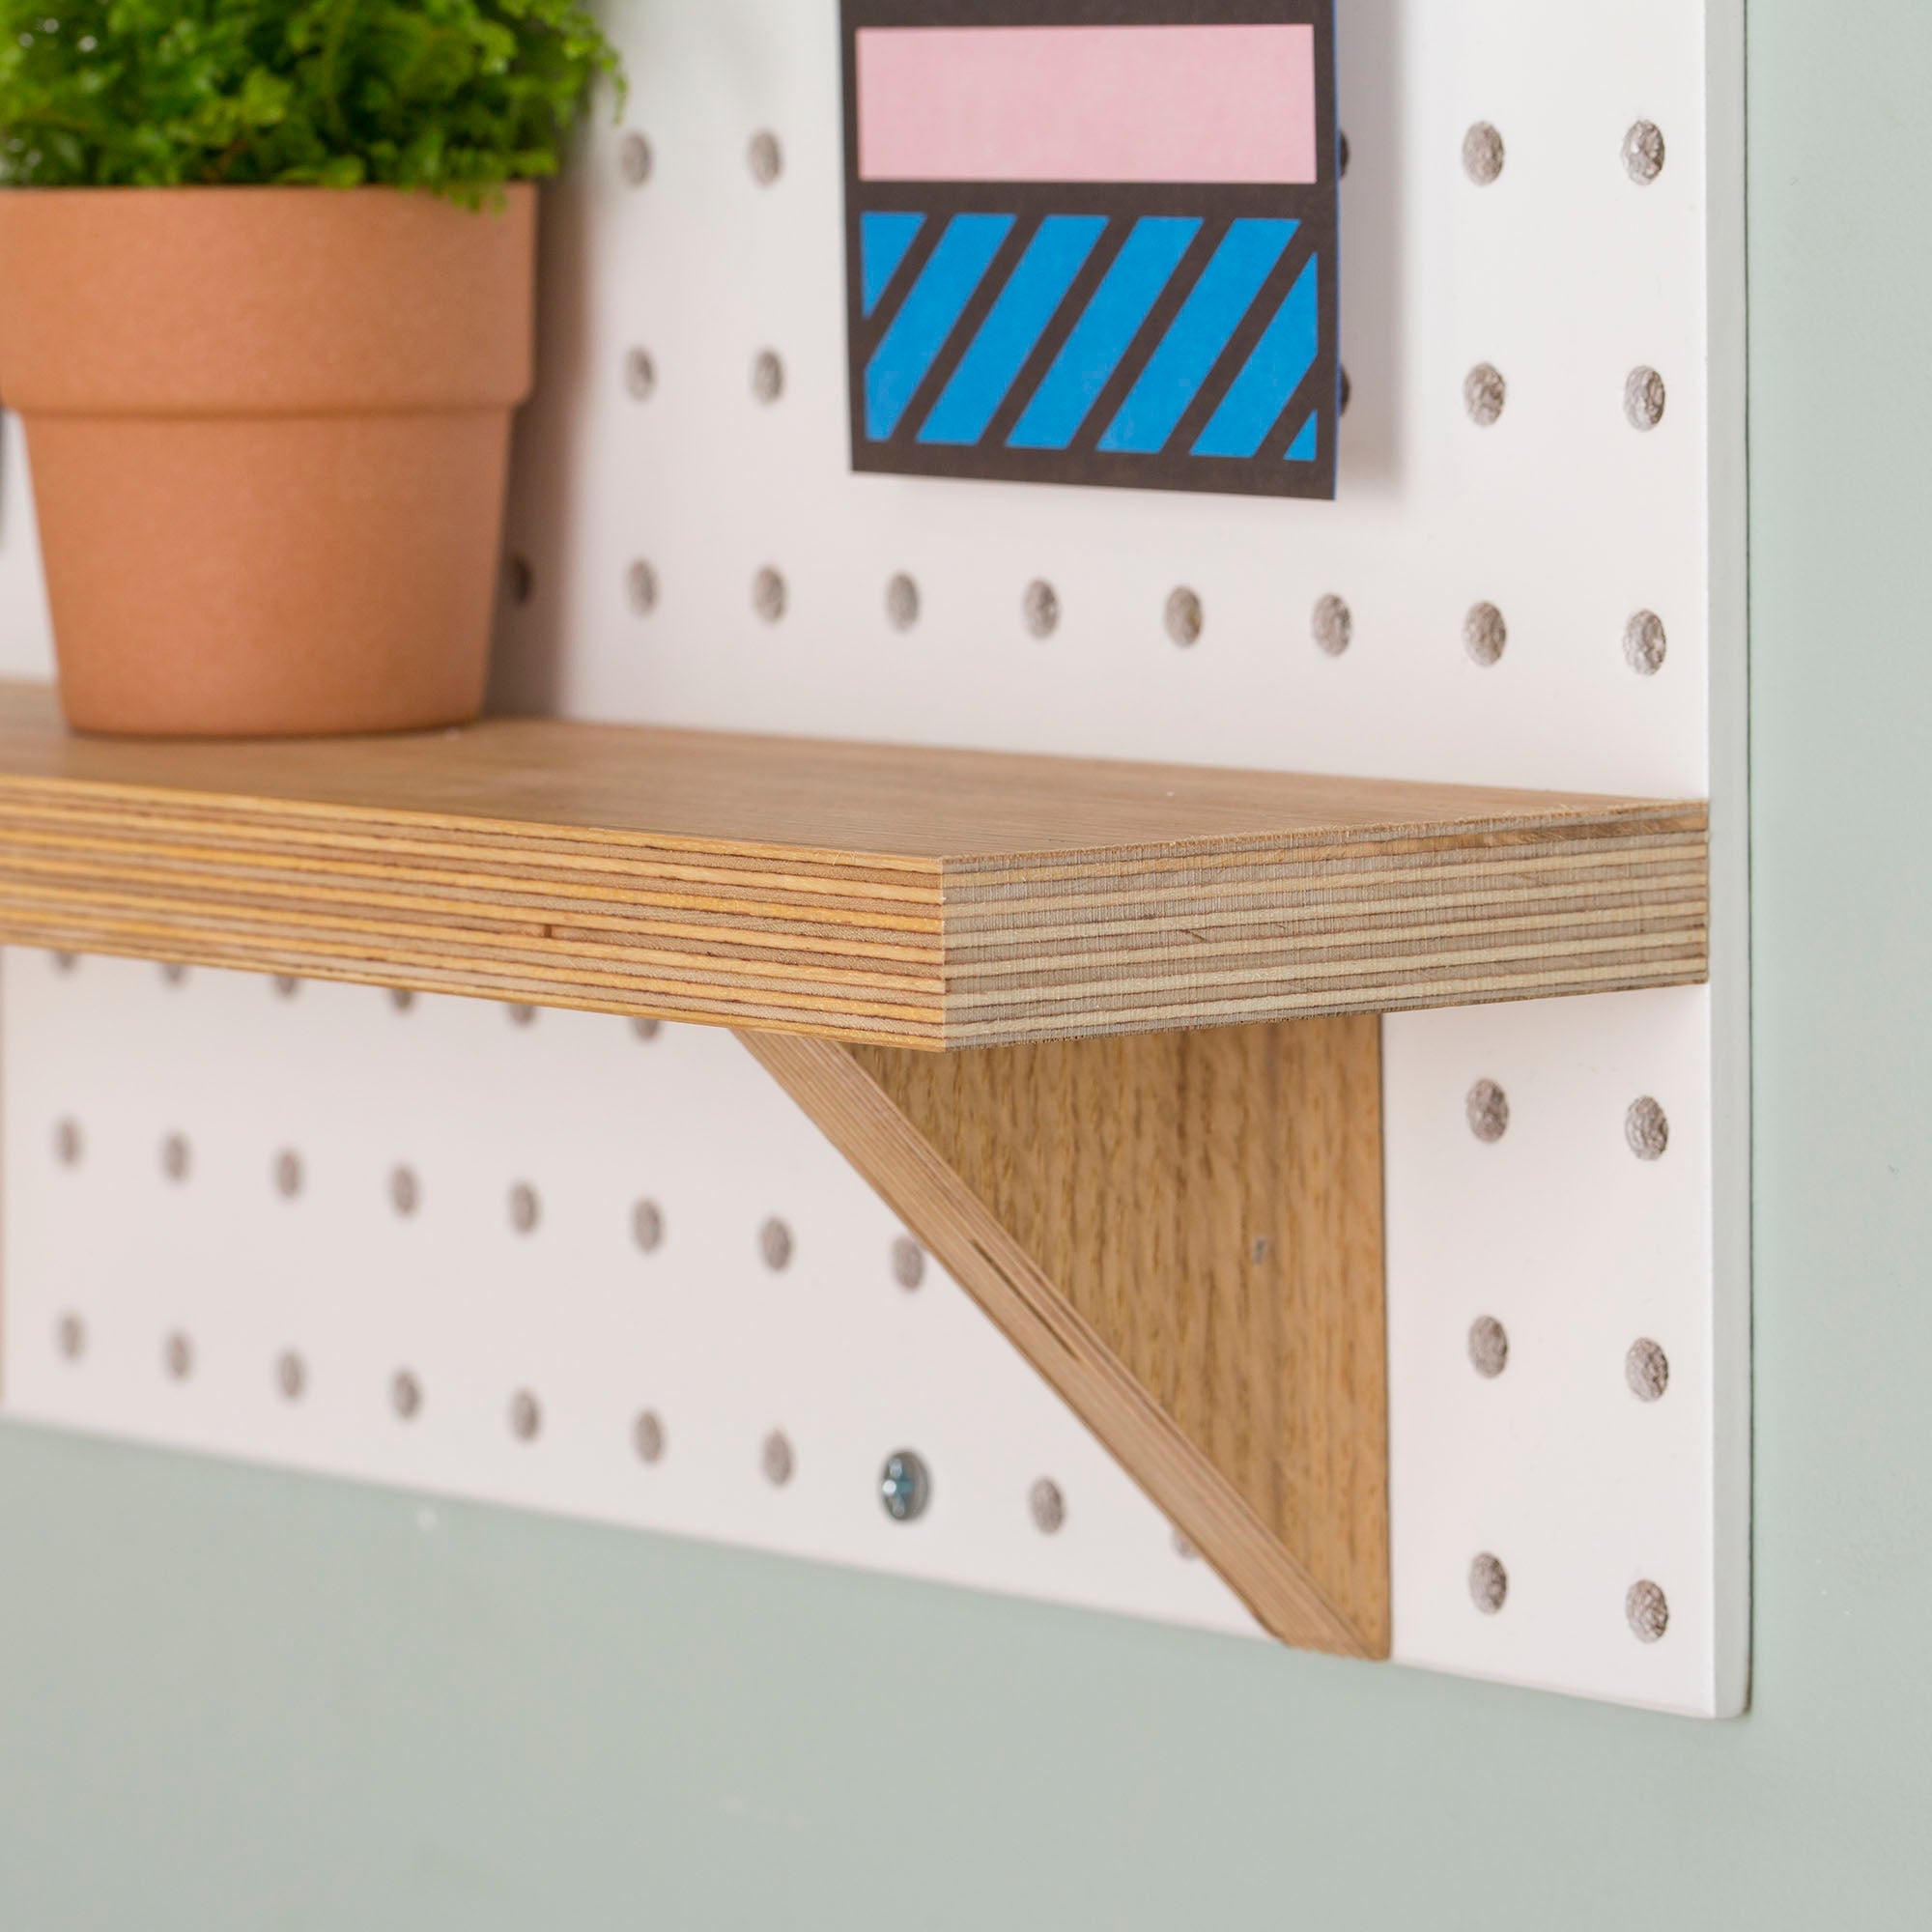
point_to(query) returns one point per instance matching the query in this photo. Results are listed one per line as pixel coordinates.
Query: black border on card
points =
(1313, 205)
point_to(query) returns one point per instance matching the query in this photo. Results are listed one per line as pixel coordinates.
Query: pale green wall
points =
(232, 1700)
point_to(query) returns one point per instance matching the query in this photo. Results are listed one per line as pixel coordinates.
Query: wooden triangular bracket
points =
(1182, 1233)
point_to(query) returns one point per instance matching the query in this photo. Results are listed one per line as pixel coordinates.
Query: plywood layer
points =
(874, 893)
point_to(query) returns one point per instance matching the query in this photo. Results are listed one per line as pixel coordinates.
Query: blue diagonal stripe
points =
(1027, 302)
(1270, 376)
(1193, 345)
(928, 316)
(1307, 442)
(883, 241)
(1105, 333)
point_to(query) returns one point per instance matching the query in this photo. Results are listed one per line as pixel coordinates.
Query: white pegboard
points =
(1565, 275)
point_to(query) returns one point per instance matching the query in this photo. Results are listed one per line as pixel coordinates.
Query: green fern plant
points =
(455, 97)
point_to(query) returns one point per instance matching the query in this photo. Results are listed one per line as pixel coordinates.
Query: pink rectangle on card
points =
(1155, 104)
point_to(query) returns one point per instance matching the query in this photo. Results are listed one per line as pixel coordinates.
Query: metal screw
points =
(1644, 399)
(406, 1395)
(908, 1263)
(902, 602)
(906, 1486)
(1185, 618)
(768, 377)
(648, 1226)
(520, 1014)
(1484, 394)
(292, 1376)
(1483, 154)
(287, 985)
(175, 1157)
(640, 586)
(405, 1191)
(178, 1356)
(174, 972)
(1488, 1109)
(1334, 626)
(68, 1142)
(525, 1209)
(1647, 1130)
(777, 1459)
(645, 1029)
(1345, 393)
(1647, 1610)
(1489, 1584)
(1644, 152)
(775, 1243)
(1645, 644)
(765, 158)
(525, 1416)
(641, 375)
(768, 595)
(402, 999)
(1341, 156)
(1039, 608)
(66, 962)
(647, 1436)
(634, 160)
(1048, 1506)
(1484, 634)
(288, 1174)
(1489, 1347)
(1647, 1371)
(71, 1337)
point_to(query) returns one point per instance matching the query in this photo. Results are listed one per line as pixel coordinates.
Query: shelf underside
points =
(871, 893)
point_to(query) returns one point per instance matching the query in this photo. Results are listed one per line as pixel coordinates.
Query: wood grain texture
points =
(1183, 1233)
(874, 893)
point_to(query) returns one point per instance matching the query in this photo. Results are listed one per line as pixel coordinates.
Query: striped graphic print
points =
(1131, 336)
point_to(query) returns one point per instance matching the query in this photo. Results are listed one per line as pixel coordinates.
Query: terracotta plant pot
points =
(268, 431)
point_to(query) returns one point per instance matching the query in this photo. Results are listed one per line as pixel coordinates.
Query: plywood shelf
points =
(871, 893)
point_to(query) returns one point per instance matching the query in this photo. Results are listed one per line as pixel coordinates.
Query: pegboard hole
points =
(648, 1437)
(1644, 153)
(405, 1191)
(1185, 1548)
(525, 1210)
(1647, 1130)
(291, 1376)
(1485, 395)
(1647, 1612)
(768, 377)
(520, 1014)
(641, 587)
(635, 160)
(765, 157)
(1645, 399)
(286, 986)
(1344, 391)
(646, 1029)
(288, 1174)
(1489, 1347)
(1185, 618)
(1647, 1371)
(1342, 156)
(908, 1263)
(406, 1395)
(1039, 609)
(1483, 154)
(174, 972)
(768, 595)
(1485, 636)
(177, 1356)
(176, 1158)
(775, 1244)
(648, 1226)
(70, 1143)
(65, 962)
(777, 1459)
(902, 602)
(1046, 1502)
(71, 1337)
(1487, 1111)
(525, 1416)
(1334, 627)
(1489, 1584)
(402, 999)
(641, 374)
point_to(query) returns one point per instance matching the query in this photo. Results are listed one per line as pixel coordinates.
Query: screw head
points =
(908, 1263)
(406, 1395)
(1485, 395)
(647, 1436)
(291, 1376)
(641, 587)
(765, 157)
(1334, 627)
(1644, 153)
(1488, 1109)
(641, 375)
(635, 160)
(1488, 1583)
(648, 1226)
(1645, 644)
(1647, 1371)
(402, 999)
(646, 1029)
(1647, 1130)
(775, 1245)
(174, 972)
(1489, 1347)
(525, 1416)
(906, 1486)
(902, 602)
(519, 581)
(1647, 1612)
(525, 1210)
(1048, 1505)
(776, 1459)
(1645, 399)
(1483, 154)
(1484, 634)
(1185, 618)
(768, 377)
(768, 595)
